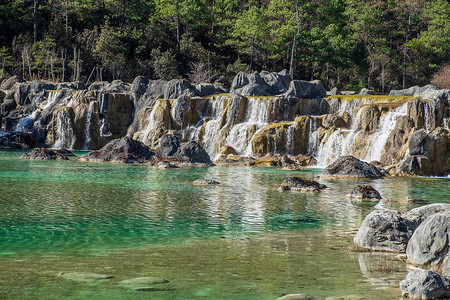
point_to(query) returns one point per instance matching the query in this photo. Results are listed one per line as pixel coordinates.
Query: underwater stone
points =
(85, 277)
(364, 192)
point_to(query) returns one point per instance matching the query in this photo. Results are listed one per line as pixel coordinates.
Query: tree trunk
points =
(251, 57)
(178, 32)
(294, 42)
(36, 21)
(66, 45)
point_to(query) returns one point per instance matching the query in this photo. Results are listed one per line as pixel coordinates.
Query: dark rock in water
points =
(166, 165)
(424, 284)
(305, 89)
(417, 165)
(205, 182)
(430, 243)
(87, 277)
(365, 91)
(171, 147)
(420, 214)
(123, 150)
(194, 153)
(168, 145)
(350, 166)
(364, 192)
(384, 230)
(16, 140)
(48, 154)
(298, 184)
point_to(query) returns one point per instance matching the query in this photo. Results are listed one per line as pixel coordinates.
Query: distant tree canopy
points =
(379, 44)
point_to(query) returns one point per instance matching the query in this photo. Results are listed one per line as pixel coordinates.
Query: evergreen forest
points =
(351, 44)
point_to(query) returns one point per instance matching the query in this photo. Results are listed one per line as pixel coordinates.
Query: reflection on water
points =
(241, 239)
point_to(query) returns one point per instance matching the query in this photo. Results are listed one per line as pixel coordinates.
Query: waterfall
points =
(378, 140)
(151, 122)
(64, 131)
(290, 143)
(426, 116)
(256, 117)
(313, 139)
(339, 143)
(88, 126)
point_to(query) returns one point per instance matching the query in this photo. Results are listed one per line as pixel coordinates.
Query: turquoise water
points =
(242, 239)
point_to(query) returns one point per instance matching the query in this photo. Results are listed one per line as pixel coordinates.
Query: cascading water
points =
(426, 116)
(64, 131)
(88, 126)
(290, 140)
(378, 140)
(256, 118)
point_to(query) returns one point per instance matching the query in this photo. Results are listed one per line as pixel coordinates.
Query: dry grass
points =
(442, 78)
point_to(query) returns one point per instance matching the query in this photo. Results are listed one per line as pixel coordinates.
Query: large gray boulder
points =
(173, 149)
(177, 87)
(208, 89)
(384, 230)
(305, 89)
(419, 142)
(420, 214)
(430, 243)
(31, 92)
(75, 85)
(424, 284)
(260, 84)
(123, 150)
(350, 166)
(10, 82)
(118, 86)
(365, 92)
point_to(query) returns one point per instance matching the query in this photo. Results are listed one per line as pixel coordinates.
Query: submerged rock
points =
(48, 154)
(298, 184)
(350, 166)
(205, 182)
(85, 277)
(142, 283)
(424, 284)
(123, 150)
(364, 192)
(295, 297)
(384, 230)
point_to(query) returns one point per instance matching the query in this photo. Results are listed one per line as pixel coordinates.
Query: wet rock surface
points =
(48, 154)
(298, 184)
(350, 166)
(364, 192)
(143, 283)
(123, 150)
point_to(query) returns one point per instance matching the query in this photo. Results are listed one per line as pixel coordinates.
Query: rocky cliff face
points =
(407, 131)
